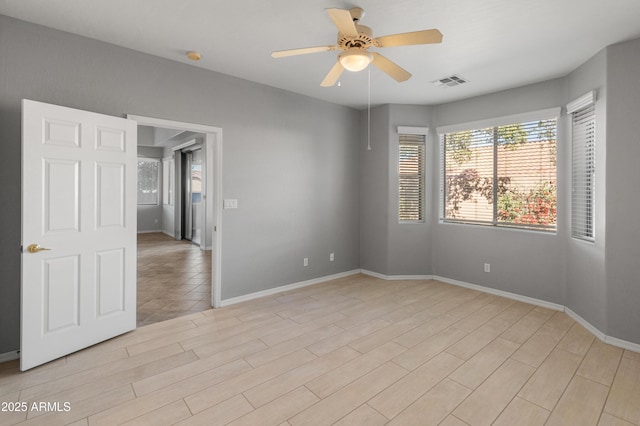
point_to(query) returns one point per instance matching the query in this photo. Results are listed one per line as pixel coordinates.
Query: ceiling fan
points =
(355, 39)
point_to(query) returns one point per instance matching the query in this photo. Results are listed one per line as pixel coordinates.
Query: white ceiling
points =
(495, 44)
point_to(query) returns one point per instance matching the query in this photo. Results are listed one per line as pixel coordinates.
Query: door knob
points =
(34, 248)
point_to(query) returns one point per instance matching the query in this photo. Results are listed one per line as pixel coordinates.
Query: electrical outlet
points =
(305, 261)
(331, 257)
(487, 267)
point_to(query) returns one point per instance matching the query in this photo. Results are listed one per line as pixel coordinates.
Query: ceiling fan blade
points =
(391, 68)
(302, 51)
(343, 20)
(407, 39)
(333, 75)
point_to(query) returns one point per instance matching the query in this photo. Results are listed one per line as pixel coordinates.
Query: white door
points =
(78, 230)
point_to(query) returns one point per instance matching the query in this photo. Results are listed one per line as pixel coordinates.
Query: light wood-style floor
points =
(354, 351)
(174, 278)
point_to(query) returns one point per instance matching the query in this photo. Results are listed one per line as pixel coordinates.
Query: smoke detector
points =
(194, 56)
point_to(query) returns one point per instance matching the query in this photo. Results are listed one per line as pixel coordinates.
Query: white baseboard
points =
(396, 277)
(593, 330)
(508, 295)
(287, 287)
(613, 341)
(168, 233)
(9, 356)
(150, 231)
(623, 344)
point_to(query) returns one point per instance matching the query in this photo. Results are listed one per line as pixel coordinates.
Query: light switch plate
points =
(230, 203)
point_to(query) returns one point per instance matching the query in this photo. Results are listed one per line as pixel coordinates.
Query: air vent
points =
(451, 81)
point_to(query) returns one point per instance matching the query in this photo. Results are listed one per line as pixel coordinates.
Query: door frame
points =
(182, 152)
(213, 177)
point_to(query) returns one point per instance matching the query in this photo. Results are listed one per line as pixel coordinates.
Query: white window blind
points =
(411, 178)
(168, 179)
(148, 181)
(503, 175)
(583, 172)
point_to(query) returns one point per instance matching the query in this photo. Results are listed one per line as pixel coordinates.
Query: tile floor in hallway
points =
(352, 351)
(174, 278)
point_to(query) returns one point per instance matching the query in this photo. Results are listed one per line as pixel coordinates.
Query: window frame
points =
(410, 131)
(158, 181)
(513, 119)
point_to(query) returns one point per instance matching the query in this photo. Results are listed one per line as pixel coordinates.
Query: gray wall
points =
(586, 278)
(522, 262)
(291, 161)
(598, 281)
(146, 136)
(307, 185)
(409, 243)
(150, 219)
(374, 191)
(387, 246)
(623, 183)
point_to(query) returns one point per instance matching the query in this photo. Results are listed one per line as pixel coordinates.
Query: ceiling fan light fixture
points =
(355, 59)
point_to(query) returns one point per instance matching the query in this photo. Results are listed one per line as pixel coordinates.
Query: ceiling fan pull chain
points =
(369, 110)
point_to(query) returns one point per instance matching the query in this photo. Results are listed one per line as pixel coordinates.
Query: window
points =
(501, 174)
(148, 181)
(411, 176)
(583, 138)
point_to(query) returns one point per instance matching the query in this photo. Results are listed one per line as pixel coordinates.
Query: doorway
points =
(201, 214)
(174, 278)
